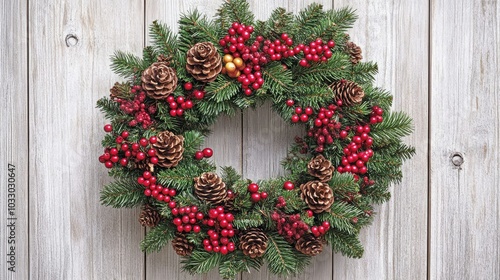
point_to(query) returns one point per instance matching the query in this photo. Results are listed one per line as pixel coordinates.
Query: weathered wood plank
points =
(14, 259)
(465, 112)
(71, 235)
(395, 35)
(266, 138)
(225, 139)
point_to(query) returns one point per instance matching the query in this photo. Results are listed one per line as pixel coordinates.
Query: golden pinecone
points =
(349, 92)
(149, 216)
(317, 195)
(354, 51)
(309, 245)
(181, 245)
(210, 188)
(169, 148)
(321, 168)
(204, 62)
(159, 80)
(253, 242)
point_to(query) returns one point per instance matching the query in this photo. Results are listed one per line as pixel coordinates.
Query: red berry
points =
(108, 128)
(223, 224)
(140, 156)
(288, 185)
(295, 118)
(198, 155)
(207, 152)
(290, 102)
(298, 110)
(125, 134)
(198, 94)
(144, 142)
(229, 217)
(123, 162)
(108, 164)
(263, 195)
(253, 188)
(171, 204)
(309, 213)
(153, 160)
(151, 152)
(304, 118)
(196, 228)
(188, 86)
(179, 112)
(180, 99)
(255, 197)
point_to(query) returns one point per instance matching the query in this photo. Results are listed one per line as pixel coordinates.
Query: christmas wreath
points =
(306, 65)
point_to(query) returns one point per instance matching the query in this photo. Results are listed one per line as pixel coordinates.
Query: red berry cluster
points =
(187, 218)
(358, 152)
(281, 203)
(196, 94)
(141, 111)
(291, 227)
(325, 128)
(252, 58)
(376, 115)
(178, 105)
(279, 48)
(255, 195)
(155, 190)
(302, 114)
(125, 151)
(218, 237)
(316, 51)
(317, 231)
(206, 153)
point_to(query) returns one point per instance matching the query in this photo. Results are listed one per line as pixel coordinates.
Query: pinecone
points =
(149, 216)
(210, 188)
(144, 165)
(181, 245)
(354, 51)
(309, 245)
(317, 195)
(159, 80)
(253, 242)
(169, 148)
(347, 91)
(204, 62)
(321, 168)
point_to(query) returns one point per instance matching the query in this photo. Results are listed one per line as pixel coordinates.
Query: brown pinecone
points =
(253, 242)
(354, 51)
(169, 148)
(144, 165)
(210, 188)
(149, 216)
(321, 168)
(159, 80)
(204, 62)
(347, 91)
(181, 245)
(309, 245)
(317, 195)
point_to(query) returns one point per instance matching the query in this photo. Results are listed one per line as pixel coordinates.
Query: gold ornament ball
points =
(238, 62)
(230, 67)
(228, 58)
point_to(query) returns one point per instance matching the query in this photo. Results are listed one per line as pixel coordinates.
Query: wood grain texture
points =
(71, 235)
(14, 140)
(266, 138)
(465, 222)
(225, 139)
(395, 35)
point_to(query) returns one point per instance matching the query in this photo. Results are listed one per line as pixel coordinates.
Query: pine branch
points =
(395, 126)
(149, 56)
(340, 217)
(278, 81)
(195, 28)
(230, 175)
(163, 39)
(222, 89)
(234, 11)
(200, 262)
(126, 65)
(343, 18)
(348, 245)
(181, 177)
(308, 19)
(325, 72)
(363, 73)
(245, 220)
(378, 96)
(280, 256)
(124, 193)
(157, 238)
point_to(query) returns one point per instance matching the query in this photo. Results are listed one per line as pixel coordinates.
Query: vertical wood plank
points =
(266, 138)
(225, 139)
(465, 219)
(395, 35)
(71, 235)
(14, 259)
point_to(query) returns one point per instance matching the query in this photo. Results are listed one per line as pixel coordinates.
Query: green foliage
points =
(122, 193)
(181, 177)
(340, 217)
(162, 38)
(395, 126)
(233, 11)
(195, 28)
(157, 238)
(200, 262)
(126, 65)
(280, 256)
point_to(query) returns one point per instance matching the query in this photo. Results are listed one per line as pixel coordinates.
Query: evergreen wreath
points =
(306, 65)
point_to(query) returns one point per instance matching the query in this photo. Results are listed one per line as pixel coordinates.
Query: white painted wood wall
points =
(440, 58)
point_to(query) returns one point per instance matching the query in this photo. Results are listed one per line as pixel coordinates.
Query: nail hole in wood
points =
(457, 159)
(71, 40)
